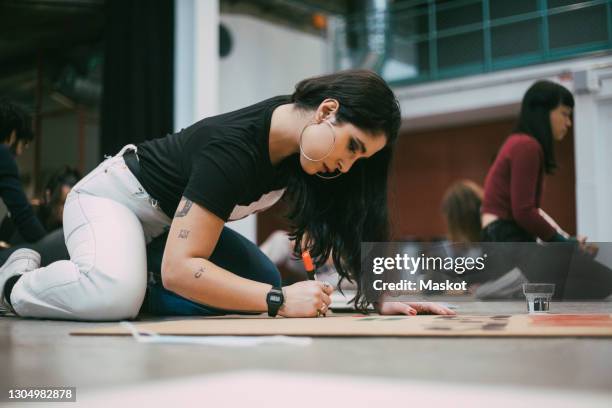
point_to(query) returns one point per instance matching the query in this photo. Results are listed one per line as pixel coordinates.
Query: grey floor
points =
(42, 353)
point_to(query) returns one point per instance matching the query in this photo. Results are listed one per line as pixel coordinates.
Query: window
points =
(432, 39)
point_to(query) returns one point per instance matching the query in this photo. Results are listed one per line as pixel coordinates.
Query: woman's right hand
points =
(306, 299)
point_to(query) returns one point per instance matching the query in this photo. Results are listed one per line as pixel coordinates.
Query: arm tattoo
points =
(183, 234)
(199, 272)
(183, 211)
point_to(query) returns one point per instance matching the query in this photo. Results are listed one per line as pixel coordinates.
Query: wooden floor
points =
(42, 353)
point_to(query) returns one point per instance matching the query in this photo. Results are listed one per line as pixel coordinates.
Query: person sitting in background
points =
(513, 190)
(51, 208)
(506, 272)
(15, 136)
(461, 210)
(49, 211)
(514, 184)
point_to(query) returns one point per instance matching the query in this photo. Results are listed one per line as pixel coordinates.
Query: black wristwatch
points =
(275, 300)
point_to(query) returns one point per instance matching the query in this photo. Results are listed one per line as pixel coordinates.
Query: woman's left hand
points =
(412, 308)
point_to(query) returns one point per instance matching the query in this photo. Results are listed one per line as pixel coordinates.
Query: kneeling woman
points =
(326, 149)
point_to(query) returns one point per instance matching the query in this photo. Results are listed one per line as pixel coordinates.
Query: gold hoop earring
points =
(326, 154)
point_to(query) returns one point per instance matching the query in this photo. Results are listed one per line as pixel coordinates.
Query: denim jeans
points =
(233, 252)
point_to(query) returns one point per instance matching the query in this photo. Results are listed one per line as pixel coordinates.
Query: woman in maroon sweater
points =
(513, 187)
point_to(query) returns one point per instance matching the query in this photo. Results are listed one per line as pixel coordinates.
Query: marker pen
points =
(308, 265)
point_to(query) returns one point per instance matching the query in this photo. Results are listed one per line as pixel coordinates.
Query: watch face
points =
(275, 300)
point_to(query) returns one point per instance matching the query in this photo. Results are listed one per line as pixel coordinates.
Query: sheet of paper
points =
(147, 336)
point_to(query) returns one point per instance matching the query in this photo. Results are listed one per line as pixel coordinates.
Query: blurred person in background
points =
(461, 210)
(514, 184)
(513, 192)
(51, 205)
(49, 211)
(461, 207)
(15, 136)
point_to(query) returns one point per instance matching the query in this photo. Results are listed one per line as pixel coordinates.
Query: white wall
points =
(196, 61)
(593, 158)
(498, 95)
(266, 60)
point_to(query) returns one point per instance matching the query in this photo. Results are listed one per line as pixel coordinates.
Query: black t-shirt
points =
(221, 163)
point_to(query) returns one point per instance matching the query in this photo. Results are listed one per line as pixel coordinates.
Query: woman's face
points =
(329, 148)
(334, 148)
(560, 121)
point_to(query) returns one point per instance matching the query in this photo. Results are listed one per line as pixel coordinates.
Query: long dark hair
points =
(461, 208)
(335, 216)
(534, 120)
(14, 117)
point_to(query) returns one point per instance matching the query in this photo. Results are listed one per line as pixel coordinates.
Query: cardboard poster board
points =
(549, 325)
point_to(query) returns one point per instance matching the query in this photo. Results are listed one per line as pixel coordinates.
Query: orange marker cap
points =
(308, 263)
